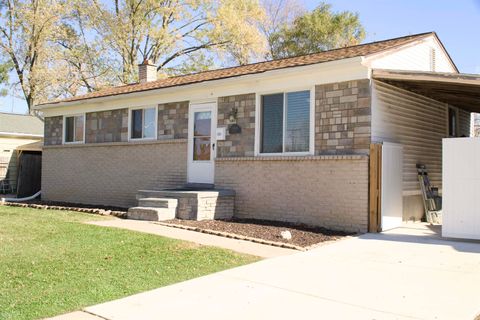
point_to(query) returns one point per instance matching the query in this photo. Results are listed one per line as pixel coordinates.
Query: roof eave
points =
(20, 135)
(192, 85)
(464, 78)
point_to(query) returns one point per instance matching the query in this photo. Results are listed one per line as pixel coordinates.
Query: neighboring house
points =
(476, 125)
(291, 137)
(17, 132)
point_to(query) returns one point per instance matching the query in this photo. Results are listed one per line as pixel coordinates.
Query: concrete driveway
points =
(407, 273)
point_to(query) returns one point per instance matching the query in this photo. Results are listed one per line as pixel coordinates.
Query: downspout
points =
(3, 200)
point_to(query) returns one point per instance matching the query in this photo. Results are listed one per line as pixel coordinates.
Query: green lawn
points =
(52, 263)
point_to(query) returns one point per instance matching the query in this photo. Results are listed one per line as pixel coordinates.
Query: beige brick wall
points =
(328, 191)
(111, 174)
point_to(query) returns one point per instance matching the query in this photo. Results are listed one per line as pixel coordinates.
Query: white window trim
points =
(258, 104)
(64, 128)
(130, 109)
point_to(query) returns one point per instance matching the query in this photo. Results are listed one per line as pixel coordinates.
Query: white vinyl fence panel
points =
(392, 185)
(461, 188)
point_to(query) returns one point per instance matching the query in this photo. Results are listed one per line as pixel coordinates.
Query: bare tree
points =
(26, 30)
(279, 14)
(169, 32)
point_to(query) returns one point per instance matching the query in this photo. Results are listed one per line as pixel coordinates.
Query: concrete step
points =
(158, 202)
(151, 214)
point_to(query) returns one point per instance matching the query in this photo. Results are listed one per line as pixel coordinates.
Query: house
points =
(291, 137)
(18, 133)
(476, 125)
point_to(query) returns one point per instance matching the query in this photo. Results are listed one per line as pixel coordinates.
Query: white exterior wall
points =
(417, 122)
(461, 176)
(416, 57)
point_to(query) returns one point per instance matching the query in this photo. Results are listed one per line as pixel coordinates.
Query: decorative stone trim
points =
(173, 120)
(117, 144)
(237, 144)
(103, 212)
(343, 117)
(295, 158)
(107, 126)
(53, 130)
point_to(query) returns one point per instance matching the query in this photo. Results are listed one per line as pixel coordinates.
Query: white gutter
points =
(201, 84)
(19, 134)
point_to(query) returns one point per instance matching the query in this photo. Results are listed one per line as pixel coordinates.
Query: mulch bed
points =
(270, 231)
(261, 231)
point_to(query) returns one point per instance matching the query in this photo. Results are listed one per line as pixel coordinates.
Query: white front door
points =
(202, 124)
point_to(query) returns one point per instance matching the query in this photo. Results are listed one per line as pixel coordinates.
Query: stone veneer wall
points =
(53, 130)
(111, 174)
(240, 144)
(173, 120)
(107, 126)
(343, 117)
(205, 207)
(328, 191)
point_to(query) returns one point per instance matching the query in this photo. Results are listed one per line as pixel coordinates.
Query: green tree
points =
(4, 70)
(279, 15)
(315, 31)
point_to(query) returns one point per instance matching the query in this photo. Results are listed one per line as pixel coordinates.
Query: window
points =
(143, 123)
(285, 122)
(74, 128)
(452, 122)
(202, 135)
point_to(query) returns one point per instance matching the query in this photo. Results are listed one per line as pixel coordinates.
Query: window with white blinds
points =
(74, 129)
(285, 122)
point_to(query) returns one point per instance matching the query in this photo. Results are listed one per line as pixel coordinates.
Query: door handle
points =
(213, 146)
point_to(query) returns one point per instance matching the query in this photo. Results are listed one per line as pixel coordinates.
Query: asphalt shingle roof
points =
(20, 124)
(320, 57)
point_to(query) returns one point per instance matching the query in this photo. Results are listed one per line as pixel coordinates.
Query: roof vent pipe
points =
(147, 71)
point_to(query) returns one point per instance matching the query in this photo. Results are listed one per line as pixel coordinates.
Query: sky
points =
(457, 23)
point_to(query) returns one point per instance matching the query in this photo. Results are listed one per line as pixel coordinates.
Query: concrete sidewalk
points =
(408, 273)
(77, 315)
(242, 246)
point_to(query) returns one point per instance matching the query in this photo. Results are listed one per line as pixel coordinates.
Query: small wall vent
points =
(432, 59)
